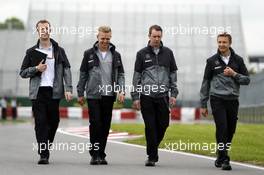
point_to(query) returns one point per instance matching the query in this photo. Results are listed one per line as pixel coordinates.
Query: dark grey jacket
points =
(215, 83)
(155, 75)
(90, 77)
(62, 72)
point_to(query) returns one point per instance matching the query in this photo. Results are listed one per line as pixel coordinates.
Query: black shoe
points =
(218, 163)
(95, 161)
(156, 159)
(226, 165)
(150, 162)
(153, 158)
(43, 161)
(103, 161)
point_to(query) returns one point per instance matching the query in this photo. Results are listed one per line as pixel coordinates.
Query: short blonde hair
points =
(104, 29)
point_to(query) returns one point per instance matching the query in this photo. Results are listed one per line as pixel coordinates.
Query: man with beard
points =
(155, 73)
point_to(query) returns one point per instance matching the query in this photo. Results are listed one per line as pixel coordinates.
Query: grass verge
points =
(247, 146)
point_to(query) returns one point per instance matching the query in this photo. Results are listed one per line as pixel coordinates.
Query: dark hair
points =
(155, 27)
(42, 21)
(225, 34)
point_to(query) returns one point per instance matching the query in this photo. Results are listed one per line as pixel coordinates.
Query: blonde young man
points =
(102, 75)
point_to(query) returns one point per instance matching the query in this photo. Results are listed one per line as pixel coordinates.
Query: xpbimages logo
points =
(146, 89)
(65, 146)
(192, 146)
(80, 31)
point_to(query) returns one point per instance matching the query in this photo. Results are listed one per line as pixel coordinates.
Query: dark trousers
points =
(3, 113)
(100, 116)
(225, 117)
(155, 112)
(46, 114)
(14, 112)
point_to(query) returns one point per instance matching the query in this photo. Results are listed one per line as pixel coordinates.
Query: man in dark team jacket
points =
(224, 73)
(154, 78)
(46, 87)
(102, 76)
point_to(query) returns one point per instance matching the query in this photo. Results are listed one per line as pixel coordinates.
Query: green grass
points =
(247, 146)
(10, 121)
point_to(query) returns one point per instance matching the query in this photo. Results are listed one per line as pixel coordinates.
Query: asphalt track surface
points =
(17, 157)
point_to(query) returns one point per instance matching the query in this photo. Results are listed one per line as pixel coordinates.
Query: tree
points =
(12, 23)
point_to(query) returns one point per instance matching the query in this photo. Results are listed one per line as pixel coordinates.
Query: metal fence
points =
(252, 100)
(252, 114)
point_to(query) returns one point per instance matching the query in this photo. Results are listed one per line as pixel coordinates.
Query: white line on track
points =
(164, 150)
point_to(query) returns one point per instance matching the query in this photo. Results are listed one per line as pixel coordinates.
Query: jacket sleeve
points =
(137, 77)
(242, 77)
(205, 88)
(83, 76)
(173, 77)
(121, 77)
(67, 76)
(26, 70)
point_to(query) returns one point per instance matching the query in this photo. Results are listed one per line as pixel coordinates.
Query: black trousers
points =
(3, 113)
(14, 112)
(225, 117)
(46, 115)
(155, 112)
(100, 116)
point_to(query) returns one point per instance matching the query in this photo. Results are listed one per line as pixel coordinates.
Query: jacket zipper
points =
(157, 61)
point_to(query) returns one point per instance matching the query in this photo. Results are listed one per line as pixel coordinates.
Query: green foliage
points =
(12, 23)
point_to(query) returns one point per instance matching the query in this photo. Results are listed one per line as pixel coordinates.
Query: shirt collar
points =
(225, 57)
(49, 48)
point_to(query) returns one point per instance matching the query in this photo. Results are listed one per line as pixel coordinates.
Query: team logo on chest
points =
(217, 62)
(90, 59)
(147, 58)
